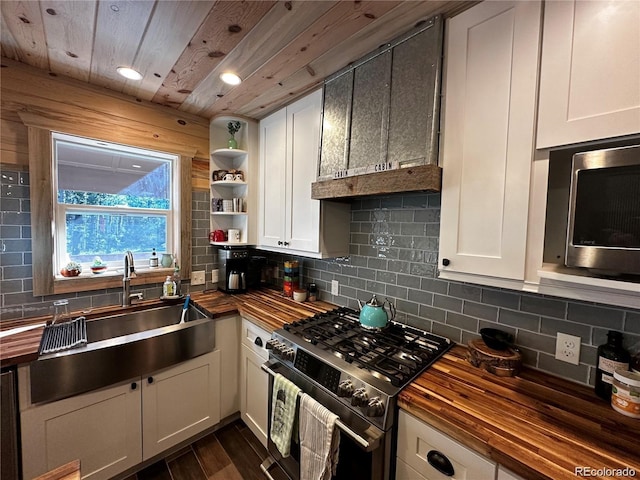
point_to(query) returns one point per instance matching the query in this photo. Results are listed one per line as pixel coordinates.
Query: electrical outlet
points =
(214, 276)
(335, 286)
(197, 278)
(568, 348)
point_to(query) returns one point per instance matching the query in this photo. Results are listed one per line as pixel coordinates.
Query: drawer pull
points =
(440, 462)
(258, 341)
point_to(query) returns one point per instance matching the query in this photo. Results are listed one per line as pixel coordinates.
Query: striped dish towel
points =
(285, 396)
(319, 440)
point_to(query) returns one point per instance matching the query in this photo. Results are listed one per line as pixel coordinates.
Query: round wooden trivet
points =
(504, 363)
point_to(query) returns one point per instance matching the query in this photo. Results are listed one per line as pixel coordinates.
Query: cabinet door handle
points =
(150, 380)
(134, 385)
(446, 262)
(440, 462)
(258, 341)
(286, 244)
(279, 242)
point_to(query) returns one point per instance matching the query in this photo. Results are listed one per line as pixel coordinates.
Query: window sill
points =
(112, 278)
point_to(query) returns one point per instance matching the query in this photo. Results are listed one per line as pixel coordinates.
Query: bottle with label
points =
(153, 261)
(611, 357)
(177, 281)
(168, 288)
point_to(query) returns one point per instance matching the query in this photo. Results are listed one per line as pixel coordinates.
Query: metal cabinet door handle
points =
(150, 380)
(134, 385)
(258, 341)
(446, 262)
(440, 462)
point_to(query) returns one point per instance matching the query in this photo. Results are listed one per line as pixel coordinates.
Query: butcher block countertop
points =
(69, 471)
(534, 424)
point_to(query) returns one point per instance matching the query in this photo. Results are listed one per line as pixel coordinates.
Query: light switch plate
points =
(197, 278)
(568, 348)
(335, 287)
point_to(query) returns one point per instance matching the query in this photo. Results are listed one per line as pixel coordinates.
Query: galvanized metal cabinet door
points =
(370, 112)
(336, 124)
(415, 98)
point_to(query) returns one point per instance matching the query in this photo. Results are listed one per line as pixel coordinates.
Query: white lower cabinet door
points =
(436, 456)
(405, 472)
(102, 429)
(179, 402)
(254, 391)
(504, 474)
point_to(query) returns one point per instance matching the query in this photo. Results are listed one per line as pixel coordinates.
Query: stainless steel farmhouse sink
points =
(122, 347)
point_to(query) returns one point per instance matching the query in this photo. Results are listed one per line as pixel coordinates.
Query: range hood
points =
(380, 120)
(421, 178)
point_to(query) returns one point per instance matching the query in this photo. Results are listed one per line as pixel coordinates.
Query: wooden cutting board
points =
(504, 363)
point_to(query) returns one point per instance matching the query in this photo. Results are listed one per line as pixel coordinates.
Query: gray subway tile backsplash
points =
(394, 248)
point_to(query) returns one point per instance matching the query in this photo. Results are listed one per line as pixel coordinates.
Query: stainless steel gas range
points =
(356, 373)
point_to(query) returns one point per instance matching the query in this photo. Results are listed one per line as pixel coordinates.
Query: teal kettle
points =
(373, 314)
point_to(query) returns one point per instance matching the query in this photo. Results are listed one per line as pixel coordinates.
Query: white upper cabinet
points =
(289, 220)
(489, 110)
(590, 71)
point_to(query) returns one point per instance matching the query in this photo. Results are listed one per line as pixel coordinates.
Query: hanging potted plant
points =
(233, 127)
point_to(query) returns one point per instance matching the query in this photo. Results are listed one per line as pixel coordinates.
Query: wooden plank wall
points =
(121, 118)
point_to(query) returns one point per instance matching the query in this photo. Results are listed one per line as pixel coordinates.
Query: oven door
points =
(365, 450)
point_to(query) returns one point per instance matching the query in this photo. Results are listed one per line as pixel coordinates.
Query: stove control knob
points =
(346, 388)
(359, 398)
(375, 407)
(271, 343)
(288, 354)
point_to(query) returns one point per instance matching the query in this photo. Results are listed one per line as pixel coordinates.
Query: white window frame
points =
(60, 256)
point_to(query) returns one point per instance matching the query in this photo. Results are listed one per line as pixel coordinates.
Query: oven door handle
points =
(359, 439)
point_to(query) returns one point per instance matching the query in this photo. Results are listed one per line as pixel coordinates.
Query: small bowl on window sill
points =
(69, 273)
(99, 269)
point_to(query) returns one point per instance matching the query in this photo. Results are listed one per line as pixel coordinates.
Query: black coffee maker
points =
(233, 266)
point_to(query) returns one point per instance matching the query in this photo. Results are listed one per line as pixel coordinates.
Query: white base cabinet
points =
(228, 344)
(254, 386)
(118, 427)
(103, 429)
(419, 442)
(180, 402)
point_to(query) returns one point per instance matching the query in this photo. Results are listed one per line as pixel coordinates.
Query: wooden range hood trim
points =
(411, 179)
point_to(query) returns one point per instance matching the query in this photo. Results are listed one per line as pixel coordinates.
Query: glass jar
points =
(611, 357)
(312, 292)
(60, 311)
(625, 393)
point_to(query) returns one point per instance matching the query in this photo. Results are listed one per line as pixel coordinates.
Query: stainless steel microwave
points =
(604, 211)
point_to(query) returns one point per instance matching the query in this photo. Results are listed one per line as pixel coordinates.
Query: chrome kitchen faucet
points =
(129, 273)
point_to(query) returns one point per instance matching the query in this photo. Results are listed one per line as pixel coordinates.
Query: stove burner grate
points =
(395, 354)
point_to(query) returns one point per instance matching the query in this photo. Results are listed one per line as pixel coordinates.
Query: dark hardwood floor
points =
(231, 453)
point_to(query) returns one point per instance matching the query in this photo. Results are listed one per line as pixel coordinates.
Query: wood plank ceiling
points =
(281, 49)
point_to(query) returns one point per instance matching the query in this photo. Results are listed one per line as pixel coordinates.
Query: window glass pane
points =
(93, 175)
(110, 235)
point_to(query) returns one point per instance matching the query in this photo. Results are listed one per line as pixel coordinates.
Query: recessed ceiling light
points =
(230, 78)
(129, 73)
(135, 166)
